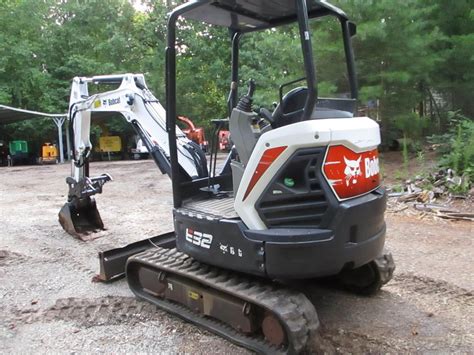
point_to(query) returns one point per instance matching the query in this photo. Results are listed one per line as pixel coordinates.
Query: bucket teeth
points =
(80, 218)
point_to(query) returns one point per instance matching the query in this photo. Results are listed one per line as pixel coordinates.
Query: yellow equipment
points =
(49, 154)
(110, 144)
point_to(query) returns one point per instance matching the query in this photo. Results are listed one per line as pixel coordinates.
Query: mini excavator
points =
(298, 196)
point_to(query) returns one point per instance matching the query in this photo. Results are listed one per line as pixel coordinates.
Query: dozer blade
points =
(80, 218)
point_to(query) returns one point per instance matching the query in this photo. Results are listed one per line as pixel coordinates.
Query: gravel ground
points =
(48, 302)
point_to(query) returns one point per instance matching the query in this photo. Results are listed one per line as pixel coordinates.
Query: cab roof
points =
(251, 15)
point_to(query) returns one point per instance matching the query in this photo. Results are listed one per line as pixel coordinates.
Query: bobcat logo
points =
(352, 170)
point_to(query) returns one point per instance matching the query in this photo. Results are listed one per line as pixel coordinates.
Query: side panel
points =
(218, 242)
(359, 236)
(359, 134)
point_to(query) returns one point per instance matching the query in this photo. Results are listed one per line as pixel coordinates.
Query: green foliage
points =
(454, 77)
(420, 158)
(461, 147)
(401, 174)
(405, 51)
(271, 58)
(203, 69)
(397, 188)
(395, 58)
(456, 148)
(411, 125)
(405, 155)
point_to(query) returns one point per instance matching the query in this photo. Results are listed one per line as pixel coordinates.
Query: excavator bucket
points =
(80, 218)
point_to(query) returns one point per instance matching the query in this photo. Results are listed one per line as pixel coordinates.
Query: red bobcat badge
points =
(351, 174)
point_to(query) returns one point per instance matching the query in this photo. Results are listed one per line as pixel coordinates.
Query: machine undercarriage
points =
(260, 314)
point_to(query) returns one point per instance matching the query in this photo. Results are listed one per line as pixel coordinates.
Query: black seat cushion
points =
(290, 110)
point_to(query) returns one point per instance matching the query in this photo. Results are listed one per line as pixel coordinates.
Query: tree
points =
(394, 54)
(405, 51)
(455, 72)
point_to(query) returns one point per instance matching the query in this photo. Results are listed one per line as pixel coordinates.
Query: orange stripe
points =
(266, 160)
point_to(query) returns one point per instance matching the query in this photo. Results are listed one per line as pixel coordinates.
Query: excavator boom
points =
(132, 99)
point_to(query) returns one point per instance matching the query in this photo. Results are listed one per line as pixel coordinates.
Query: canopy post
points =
(68, 141)
(59, 123)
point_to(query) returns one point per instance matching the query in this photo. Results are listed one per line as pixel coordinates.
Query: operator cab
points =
(243, 17)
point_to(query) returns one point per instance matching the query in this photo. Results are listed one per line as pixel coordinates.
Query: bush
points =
(411, 125)
(457, 146)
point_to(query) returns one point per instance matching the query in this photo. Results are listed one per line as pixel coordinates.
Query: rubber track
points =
(292, 308)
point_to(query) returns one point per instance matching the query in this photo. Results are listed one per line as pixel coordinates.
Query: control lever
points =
(245, 102)
(251, 90)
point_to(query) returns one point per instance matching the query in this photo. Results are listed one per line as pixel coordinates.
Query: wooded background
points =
(415, 60)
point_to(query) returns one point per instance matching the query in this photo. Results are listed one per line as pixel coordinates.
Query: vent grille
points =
(302, 205)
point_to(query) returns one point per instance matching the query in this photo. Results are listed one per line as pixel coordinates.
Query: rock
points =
(471, 192)
(439, 190)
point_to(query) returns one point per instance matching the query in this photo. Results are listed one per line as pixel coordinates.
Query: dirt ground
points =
(48, 302)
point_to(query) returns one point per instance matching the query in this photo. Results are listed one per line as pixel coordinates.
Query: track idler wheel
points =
(273, 330)
(369, 278)
(80, 218)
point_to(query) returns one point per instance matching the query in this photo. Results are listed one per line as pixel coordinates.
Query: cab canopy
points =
(250, 15)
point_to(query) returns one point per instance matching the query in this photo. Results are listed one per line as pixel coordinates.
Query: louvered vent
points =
(298, 201)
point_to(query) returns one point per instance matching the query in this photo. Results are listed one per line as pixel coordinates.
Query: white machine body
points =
(359, 134)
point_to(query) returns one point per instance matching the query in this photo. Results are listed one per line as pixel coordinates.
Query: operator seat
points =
(290, 109)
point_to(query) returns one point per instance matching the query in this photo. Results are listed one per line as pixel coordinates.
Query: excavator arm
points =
(143, 111)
